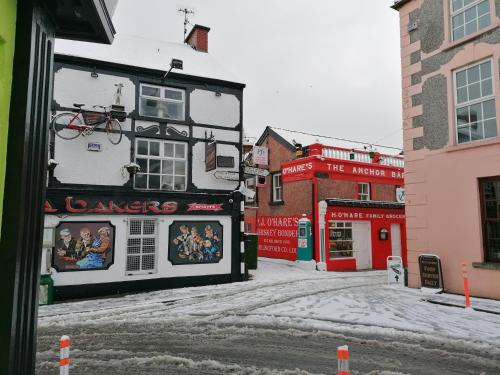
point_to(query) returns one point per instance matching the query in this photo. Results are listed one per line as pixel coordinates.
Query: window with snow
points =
(142, 246)
(162, 102)
(163, 165)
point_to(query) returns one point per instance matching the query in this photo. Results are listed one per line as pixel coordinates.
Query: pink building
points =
(450, 63)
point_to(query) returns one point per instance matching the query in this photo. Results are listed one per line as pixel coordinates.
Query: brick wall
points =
(297, 200)
(336, 189)
(383, 192)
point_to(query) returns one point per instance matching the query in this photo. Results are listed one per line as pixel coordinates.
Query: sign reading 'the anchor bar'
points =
(431, 275)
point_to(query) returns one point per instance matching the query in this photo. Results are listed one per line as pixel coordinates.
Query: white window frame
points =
(253, 187)
(277, 189)
(479, 100)
(345, 225)
(162, 157)
(362, 195)
(163, 99)
(141, 253)
(462, 10)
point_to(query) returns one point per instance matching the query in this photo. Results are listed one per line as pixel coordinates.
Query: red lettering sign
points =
(278, 236)
(204, 207)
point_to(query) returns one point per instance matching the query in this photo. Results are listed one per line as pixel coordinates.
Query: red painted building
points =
(350, 196)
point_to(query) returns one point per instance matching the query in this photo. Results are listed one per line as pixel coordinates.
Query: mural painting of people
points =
(195, 242)
(83, 246)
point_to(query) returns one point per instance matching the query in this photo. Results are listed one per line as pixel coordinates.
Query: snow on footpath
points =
(282, 292)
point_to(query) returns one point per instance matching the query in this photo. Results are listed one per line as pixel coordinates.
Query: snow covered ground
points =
(286, 320)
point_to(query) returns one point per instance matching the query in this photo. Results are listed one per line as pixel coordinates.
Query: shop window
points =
(162, 102)
(340, 239)
(475, 112)
(141, 246)
(490, 200)
(276, 188)
(363, 191)
(163, 165)
(469, 16)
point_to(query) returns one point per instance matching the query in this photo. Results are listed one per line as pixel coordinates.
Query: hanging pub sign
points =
(210, 155)
(260, 155)
(431, 275)
(79, 205)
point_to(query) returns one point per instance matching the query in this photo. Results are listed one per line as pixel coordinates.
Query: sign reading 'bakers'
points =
(431, 276)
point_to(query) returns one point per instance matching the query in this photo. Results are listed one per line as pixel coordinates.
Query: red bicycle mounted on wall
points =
(69, 125)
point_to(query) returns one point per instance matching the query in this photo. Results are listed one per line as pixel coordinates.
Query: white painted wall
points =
(79, 166)
(165, 269)
(207, 180)
(76, 86)
(220, 135)
(209, 109)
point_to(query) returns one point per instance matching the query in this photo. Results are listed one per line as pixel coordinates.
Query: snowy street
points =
(286, 320)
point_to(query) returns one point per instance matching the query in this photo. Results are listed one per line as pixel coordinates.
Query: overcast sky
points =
(326, 66)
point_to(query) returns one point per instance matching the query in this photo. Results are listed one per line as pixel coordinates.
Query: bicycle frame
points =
(86, 125)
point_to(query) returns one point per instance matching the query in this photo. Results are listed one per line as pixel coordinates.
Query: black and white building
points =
(175, 221)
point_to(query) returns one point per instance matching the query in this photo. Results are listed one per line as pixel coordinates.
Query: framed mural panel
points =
(84, 246)
(195, 242)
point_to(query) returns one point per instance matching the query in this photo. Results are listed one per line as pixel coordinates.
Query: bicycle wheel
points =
(114, 131)
(60, 125)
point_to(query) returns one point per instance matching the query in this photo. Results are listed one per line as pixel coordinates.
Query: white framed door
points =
(362, 244)
(396, 239)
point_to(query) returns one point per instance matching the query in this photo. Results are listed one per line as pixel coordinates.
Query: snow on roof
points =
(147, 53)
(292, 136)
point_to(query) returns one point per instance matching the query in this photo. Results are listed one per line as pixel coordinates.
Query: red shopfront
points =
(361, 234)
(351, 199)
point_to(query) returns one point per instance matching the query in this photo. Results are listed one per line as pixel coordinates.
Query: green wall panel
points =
(7, 39)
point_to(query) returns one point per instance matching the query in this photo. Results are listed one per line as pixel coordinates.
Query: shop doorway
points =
(362, 244)
(396, 239)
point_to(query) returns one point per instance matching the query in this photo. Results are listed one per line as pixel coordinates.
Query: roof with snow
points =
(150, 54)
(289, 137)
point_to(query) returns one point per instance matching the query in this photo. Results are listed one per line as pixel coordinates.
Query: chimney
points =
(198, 38)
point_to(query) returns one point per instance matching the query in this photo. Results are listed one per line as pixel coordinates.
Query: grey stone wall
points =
(416, 100)
(435, 112)
(415, 57)
(416, 78)
(435, 62)
(417, 121)
(431, 25)
(418, 143)
(497, 6)
(414, 17)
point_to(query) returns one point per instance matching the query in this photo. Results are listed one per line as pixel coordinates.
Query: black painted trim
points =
(120, 287)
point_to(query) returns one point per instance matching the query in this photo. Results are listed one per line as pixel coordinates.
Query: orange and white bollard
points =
(466, 286)
(64, 357)
(343, 360)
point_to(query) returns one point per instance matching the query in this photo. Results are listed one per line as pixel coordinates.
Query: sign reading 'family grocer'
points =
(278, 236)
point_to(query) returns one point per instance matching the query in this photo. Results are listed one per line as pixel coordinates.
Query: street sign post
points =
(227, 175)
(395, 271)
(256, 171)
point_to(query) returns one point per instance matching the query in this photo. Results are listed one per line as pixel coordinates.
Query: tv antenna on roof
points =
(186, 12)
